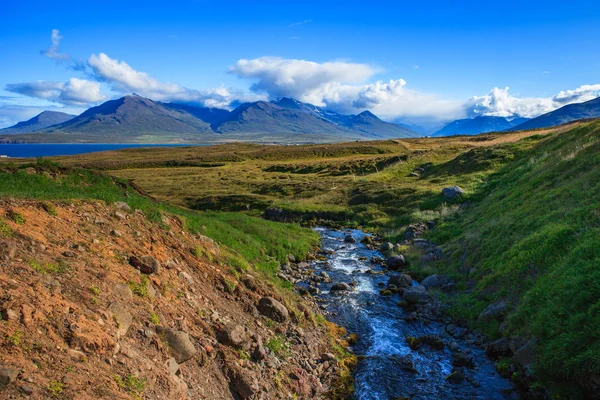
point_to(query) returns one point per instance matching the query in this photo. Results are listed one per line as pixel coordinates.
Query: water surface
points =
(61, 149)
(378, 320)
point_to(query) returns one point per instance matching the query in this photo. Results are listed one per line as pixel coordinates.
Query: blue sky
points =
(430, 58)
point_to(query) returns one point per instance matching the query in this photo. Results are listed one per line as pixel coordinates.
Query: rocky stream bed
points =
(406, 348)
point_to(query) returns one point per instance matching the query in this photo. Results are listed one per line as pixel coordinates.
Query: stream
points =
(383, 371)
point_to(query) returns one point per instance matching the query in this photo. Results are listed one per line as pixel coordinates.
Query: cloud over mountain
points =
(74, 92)
(341, 86)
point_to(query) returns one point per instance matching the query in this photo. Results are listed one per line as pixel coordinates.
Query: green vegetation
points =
(55, 387)
(154, 318)
(131, 384)
(533, 237)
(139, 288)
(5, 231)
(279, 346)
(49, 268)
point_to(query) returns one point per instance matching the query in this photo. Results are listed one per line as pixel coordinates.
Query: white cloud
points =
(124, 79)
(500, 103)
(52, 52)
(298, 78)
(77, 92)
(306, 21)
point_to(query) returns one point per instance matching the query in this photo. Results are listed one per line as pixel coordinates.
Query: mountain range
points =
(40, 121)
(477, 125)
(137, 119)
(568, 113)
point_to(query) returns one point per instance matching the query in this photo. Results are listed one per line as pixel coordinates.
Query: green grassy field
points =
(533, 237)
(360, 183)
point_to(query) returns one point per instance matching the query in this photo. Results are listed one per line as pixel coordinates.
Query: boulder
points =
(146, 265)
(271, 308)
(349, 239)
(232, 335)
(396, 262)
(452, 192)
(179, 342)
(401, 281)
(122, 291)
(340, 287)
(416, 294)
(122, 316)
(460, 359)
(121, 205)
(7, 375)
(498, 348)
(243, 382)
(493, 311)
(456, 377)
(415, 231)
(526, 354)
(386, 247)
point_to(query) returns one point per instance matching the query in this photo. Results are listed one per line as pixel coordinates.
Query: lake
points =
(57, 149)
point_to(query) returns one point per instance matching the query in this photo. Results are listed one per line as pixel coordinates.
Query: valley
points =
(493, 265)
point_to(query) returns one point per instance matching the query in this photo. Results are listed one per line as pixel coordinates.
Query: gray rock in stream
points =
(415, 295)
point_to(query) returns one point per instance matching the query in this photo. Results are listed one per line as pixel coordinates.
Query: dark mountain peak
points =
(479, 124)
(40, 121)
(568, 113)
(368, 115)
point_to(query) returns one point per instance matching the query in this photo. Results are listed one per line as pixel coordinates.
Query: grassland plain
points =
(365, 184)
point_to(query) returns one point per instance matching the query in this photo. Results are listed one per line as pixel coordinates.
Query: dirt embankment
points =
(97, 302)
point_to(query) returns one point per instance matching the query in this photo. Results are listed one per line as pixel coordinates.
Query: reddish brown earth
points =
(65, 301)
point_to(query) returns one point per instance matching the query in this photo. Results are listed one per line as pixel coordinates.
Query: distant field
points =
(358, 183)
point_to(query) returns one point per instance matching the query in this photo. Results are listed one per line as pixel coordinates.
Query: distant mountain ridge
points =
(568, 113)
(134, 117)
(477, 125)
(40, 121)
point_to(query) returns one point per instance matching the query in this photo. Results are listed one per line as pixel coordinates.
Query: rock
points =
(340, 287)
(415, 231)
(243, 382)
(8, 250)
(120, 215)
(76, 355)
(232, 335)
(456, 377)
(171, 264)
(349, 239)
(526, 354)
(121, 205)
(366, 240)
(273, 309)
(172, 366)
(431, 281)
(116, 233)
(69, 254)
(122, 317)
(180, 345)
(328, 357)
(187, 277)
(259, 352)
(413, 342)
(460, 359)
(433, 341)
(7, 375)
(498, 348)
(452, 192)
(413, 174)
(386, 247)
(122, 291)
(400, 281)
(493, 311)
(416, 295)
(291, 258)
(8, 314)
(146, 265)
(395, 262)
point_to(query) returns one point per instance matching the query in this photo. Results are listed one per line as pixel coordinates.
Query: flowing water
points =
(382, 373)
